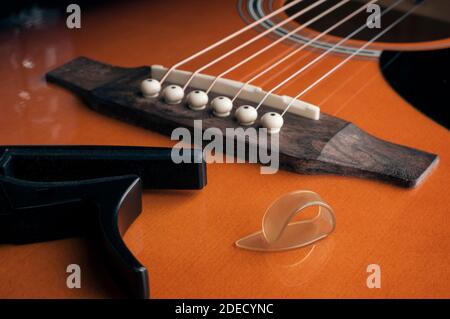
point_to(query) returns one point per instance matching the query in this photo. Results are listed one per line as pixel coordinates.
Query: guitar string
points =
(301, 47)
(242, 62)
(327, 52)
(248, 42)
(360, 88)
(227, 38)
(339, 65)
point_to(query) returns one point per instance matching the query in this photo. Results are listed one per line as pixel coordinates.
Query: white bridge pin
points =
(222, 106)
(150, 87)
(246, 115)
(173, 94)
(272, 121)
(197, 100)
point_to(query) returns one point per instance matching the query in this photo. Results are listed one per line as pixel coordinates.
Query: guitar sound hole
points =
(429, 22)
(432, 21)
(422, 78)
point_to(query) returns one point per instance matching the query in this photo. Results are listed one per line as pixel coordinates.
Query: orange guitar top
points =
(186, 238)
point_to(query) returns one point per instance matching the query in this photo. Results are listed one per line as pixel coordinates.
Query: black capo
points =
(54, 192)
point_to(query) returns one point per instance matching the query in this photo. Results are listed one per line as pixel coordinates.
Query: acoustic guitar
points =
(360, 103)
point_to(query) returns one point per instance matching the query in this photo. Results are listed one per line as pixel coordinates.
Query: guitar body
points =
(186, 238)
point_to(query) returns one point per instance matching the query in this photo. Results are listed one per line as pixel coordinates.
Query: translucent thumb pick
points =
(278, 234)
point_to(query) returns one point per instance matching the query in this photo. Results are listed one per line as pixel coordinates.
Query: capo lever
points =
(54, 192)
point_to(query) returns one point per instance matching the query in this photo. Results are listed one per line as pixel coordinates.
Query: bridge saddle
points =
(229, 88)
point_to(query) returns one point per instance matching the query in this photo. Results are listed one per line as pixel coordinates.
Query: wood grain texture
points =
(329, 145)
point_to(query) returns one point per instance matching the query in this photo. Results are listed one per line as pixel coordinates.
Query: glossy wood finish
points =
(186, 239)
